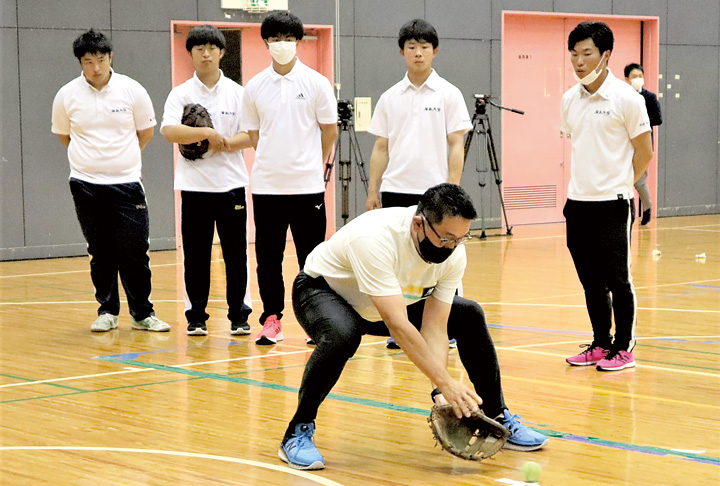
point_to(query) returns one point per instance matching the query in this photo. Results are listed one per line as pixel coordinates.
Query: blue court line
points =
(136, 355)
(657, 451)
(715, 287)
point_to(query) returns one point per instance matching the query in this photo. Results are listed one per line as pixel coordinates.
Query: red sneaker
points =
(271, 332)
(592, 355)
(616, 361)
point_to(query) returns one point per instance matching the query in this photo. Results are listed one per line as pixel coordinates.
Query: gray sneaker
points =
(104, 322)
(150, 323)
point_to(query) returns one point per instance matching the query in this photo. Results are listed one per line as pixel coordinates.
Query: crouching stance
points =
(394, 272)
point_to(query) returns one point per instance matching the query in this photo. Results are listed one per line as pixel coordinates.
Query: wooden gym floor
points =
(137, 408)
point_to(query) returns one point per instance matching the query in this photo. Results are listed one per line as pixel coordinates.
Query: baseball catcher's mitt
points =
(474, 438)
(195, 115)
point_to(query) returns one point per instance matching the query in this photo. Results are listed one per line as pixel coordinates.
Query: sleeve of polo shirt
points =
(325, 104)
(373, 265)
(250, 118)
(456, 113)
(564, 127)
(143, 111)
(636, 117)
(60, 118)
(172, 113)
(379, 122)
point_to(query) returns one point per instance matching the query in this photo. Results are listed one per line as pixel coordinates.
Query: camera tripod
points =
(344, 159)
(481, 125)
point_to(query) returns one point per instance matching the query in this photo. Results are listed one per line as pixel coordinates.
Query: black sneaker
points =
(239, 328)
(197, 329)
(646, 217)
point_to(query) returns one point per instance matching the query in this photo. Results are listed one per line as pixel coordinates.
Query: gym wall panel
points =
(380, 18)
(523, 5)
(64, 14)
(49, 210)
(583, 6)
(694, 22)
(11, 201)
(145, 57)
(320, 12)
(658, 8)
(690, 119)
(8, 13)
(210, 10)
(138, 15)
(460, 19)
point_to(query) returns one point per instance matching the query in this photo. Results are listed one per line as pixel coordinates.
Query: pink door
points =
(536, 71)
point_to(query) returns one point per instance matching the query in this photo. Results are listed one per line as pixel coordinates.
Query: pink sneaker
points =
(271, 332)
(615, 361)
(592, 355)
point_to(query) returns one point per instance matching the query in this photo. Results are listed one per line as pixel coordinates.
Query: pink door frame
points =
(316, 52)
(517, 133)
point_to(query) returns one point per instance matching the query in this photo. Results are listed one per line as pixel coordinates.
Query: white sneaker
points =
(104, 322)
(150, 323)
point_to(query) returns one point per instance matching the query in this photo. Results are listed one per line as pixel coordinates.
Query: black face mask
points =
(431, 253)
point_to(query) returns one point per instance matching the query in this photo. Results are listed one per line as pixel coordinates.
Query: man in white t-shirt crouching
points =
(105, 119)
(394, 271)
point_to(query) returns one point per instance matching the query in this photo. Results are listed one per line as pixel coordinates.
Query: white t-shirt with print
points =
(374, 255)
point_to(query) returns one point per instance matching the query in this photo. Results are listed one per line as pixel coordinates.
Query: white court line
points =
(184, 365)
(194, 455)
(666, 309)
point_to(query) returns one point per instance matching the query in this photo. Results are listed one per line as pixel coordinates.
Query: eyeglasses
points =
(447, 241)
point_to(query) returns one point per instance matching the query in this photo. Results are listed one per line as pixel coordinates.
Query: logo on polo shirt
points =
(602, 112)
(226, 112)
(432, 108)
(300, 96)
(119, 110)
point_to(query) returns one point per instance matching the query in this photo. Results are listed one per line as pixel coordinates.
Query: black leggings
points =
(337, 329)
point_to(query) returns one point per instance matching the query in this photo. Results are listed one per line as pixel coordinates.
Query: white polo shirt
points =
(416, 121)
(215, 172)
(601, 126)
(103, 126)
(374, 255)
(287, 111)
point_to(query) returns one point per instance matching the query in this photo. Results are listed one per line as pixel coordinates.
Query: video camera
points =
(345, 109)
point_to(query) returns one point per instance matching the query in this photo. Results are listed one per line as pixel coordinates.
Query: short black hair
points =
(92, 42)
(633, 65)
(599, 32)
(204, 34)
(446, 200)
(419, 30)
(282, 23)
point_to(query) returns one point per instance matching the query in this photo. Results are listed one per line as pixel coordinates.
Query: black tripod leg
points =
(496, 171)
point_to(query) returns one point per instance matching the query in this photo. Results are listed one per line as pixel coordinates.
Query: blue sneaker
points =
(522, 438)
(452, 343)
(391, 344)
(299, 451)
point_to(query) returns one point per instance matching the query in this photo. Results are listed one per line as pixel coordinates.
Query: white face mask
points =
(592, 75)
(637, 83)
(283, 52)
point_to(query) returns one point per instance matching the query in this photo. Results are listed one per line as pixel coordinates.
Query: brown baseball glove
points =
(195, 115)
(473, 438)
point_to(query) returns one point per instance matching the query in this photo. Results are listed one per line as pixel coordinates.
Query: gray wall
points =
(36, 212)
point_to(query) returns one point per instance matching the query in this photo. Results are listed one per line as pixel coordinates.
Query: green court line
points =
(49, 384)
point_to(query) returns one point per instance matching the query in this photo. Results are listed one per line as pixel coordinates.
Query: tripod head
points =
(345, 112)
(481, 102)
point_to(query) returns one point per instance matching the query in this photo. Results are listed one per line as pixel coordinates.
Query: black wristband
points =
(435, 393)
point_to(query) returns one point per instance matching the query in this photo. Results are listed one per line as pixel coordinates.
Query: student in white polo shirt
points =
(290, 114)
(611, 149)
(105, 119)
(213, 187)
(419, 125)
